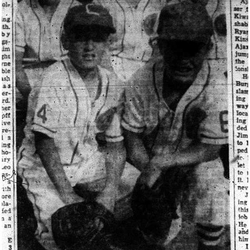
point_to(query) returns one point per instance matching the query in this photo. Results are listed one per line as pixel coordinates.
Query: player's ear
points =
(65, 41)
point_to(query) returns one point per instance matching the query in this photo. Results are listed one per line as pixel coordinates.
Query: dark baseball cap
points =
(88, 15)
(185, 21)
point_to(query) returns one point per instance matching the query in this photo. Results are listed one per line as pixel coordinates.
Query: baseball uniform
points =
(201, 115)
(217, 10)
(35, 35)
(65, 112)
(39, 39)
(130, 47)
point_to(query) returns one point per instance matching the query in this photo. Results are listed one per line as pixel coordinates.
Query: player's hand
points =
(163, 161)
(108, 197)
(153, 171)
(149, 176)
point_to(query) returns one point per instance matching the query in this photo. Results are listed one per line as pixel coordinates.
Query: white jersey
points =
(35, 35)
(130, 47)
(147, 108)
(64, 111)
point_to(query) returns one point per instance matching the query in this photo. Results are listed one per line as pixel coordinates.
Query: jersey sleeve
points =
(133, 116)
(47, 112)
(214, 128)
(114, 133)
(19, 31)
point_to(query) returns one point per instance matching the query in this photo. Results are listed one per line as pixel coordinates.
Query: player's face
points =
(183, 60)
(87, 48)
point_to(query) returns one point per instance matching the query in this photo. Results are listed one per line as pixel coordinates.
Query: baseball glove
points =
(84, 225)
(154, 208)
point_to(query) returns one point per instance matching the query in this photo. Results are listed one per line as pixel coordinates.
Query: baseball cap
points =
(88, 15)
(186, 21)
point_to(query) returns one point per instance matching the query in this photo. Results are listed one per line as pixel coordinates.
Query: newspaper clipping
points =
(124, 125)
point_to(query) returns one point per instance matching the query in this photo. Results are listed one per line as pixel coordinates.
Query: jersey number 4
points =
(42, 113)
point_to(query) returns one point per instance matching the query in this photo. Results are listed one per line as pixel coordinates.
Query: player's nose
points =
(89, 45)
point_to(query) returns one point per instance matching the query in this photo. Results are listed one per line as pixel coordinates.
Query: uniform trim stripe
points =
(210, 243)
(209, 235)
(132, 126)
(146, 5)
(124, 29)
(131, 129)
(112, 137)
(209, 238)
(52, 131)
(204, 234)
(118, 139)
(210, 228)
(214, 138)
(74, 152)
(40, 27)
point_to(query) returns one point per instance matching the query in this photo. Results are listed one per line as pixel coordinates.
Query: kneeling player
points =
(175, 125)
(78, 102)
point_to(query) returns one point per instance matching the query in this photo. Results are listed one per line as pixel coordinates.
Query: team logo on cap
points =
(91, 12)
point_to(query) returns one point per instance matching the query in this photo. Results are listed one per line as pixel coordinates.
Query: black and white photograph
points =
(129, 125)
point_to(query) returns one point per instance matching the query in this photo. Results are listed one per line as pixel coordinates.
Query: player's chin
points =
(184, 77)
(89, 64)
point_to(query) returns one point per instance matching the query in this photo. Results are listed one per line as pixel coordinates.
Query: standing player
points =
(37, 45)
(134, 21)
(175, 125)
(78, 102)
(37, 38)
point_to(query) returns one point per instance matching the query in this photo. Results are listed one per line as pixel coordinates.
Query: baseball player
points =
(38, 27)
(175, 124)
(134, 21)
(77, 105)
(37, 45)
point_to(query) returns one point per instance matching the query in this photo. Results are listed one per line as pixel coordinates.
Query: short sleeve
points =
(19, 31)
(47, 112)
(214, 128)
(113, 133)
(133, 116)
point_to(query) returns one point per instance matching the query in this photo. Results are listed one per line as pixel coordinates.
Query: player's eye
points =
(185, 48)
(98, 37)
(81, 37)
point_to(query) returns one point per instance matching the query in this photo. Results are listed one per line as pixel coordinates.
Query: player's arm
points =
(196, 153)
(46, 125)
(136, 152)
(133, 122)
(50, 158)
(115, 158)
(209, 136)
(115, 155)
(22, 82)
